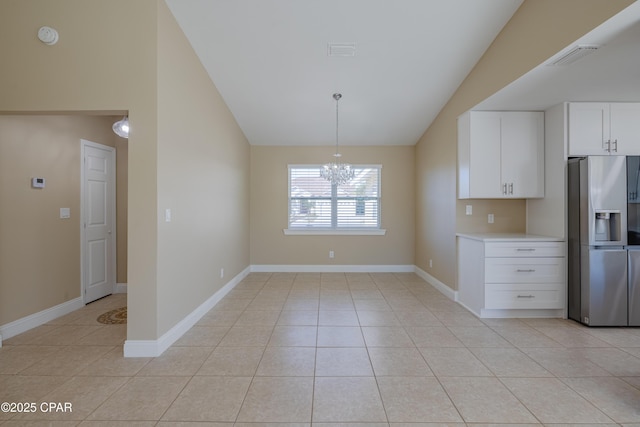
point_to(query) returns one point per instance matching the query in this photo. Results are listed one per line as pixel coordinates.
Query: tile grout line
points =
(244, 399)
(540, 328)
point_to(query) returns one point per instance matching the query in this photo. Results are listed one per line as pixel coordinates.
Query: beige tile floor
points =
(328, 350)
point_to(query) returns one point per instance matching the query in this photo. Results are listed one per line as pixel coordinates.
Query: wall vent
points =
(574, 54)
(341, 49)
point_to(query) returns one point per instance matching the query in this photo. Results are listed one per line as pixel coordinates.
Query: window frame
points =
(334, 229)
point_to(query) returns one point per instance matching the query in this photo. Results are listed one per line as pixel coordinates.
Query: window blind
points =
(315, 203)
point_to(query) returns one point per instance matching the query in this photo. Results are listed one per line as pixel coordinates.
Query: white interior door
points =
(98, 221)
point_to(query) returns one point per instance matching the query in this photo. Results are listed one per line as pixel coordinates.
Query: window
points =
(316, 205)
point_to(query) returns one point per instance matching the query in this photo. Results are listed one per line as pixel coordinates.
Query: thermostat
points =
(37, 182)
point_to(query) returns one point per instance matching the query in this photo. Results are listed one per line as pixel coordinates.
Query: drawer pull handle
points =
(526, 296)
(531, 270)
(526, 249)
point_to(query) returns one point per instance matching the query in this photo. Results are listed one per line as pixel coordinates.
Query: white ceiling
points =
(611, 73)
(268, 59)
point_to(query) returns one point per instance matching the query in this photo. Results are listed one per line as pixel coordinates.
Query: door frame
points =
(112, 207)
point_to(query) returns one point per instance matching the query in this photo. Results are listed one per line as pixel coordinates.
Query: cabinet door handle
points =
(511, 188)
(526, 249)
(526, 296)
(615, 148)
(531, 270)
(606, 145)
(504, 188)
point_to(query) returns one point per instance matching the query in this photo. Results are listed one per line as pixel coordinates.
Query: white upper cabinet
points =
(600, 128)
(500, 154)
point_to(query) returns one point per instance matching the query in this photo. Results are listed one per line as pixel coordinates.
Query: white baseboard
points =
(272, 268)
(522, 314)
(470, 310)
(154, 348)
(444, 289)
(121, 288)
(332, 268)
(40, 318)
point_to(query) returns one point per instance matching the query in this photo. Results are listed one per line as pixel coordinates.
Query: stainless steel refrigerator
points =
(633, 238)
(597, 240)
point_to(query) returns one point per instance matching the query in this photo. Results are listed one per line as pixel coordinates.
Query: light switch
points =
(167, 215)
(65, 213)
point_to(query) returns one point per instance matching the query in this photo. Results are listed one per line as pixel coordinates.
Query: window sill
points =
(316, 232)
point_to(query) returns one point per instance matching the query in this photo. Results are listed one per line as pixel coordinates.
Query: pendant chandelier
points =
(336, 172)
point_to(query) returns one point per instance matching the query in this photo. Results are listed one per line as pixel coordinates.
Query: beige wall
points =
(39, 252)
(203, 158)
(269, 211)
(538, 30)
(102, 67)
(122, 202)
(109, 59)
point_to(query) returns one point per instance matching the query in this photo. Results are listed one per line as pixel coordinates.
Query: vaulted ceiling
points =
(270, 61)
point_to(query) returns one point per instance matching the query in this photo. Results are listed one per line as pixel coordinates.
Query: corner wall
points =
(184, 146)
(538, 30)
(89, 69)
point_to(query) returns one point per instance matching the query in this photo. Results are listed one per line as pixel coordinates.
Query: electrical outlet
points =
(490, 218)
(430, 263)
(469, 210)
(331, 254)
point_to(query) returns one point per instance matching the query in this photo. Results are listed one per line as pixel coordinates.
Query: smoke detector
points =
(576, 53)
(48, 35)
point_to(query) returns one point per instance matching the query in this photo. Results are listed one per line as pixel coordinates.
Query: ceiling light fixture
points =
(336, 172)
(121, 127)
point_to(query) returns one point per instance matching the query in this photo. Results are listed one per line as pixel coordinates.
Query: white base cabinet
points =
(512, 275)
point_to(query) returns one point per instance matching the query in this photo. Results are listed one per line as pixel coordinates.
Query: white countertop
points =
(508, 237)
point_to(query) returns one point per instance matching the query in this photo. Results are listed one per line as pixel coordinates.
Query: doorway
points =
(98, 220)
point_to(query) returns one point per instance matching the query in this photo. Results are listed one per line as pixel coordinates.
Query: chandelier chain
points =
(335, 172)
(337, 97)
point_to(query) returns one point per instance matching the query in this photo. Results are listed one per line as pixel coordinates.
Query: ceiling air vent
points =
(574, 54)
(341, 49)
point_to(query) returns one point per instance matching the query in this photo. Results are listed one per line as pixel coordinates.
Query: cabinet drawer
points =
(530, 296)
(524, 270)
(524, 249)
